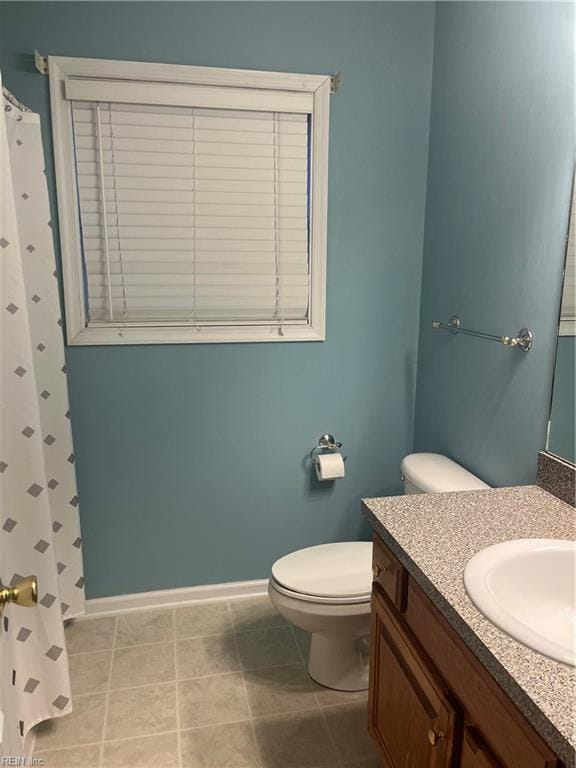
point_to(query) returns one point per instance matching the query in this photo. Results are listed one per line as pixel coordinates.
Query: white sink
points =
(527, 588)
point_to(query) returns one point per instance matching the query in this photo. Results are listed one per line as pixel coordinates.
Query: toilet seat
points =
(320, 600)
(338, 574)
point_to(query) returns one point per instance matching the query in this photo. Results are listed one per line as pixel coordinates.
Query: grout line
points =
(305, 662)
(298, 644)
(81, 696)
(87, 653)
(178, 739)
(107, 741)
(173, 681)
(148, 735)
(215, 725)
(144, 645)
(316, 695)
(125, 647)
(286, 625)
(111, 741)
(306, 711)
(245, 689)
(178, 638)
(323, 707)
(329, 732)
(213, 674)
(107, 699)
(67, 746)
(165, 733)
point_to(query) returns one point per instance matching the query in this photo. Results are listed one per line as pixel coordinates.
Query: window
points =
(192, 202)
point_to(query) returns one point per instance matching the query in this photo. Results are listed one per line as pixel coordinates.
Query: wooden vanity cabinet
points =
(475, 753)
(431, 702)
(412, 718)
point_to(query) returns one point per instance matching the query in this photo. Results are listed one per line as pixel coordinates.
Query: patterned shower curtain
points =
(39, 521)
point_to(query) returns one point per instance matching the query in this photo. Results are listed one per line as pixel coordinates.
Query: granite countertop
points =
(434, 536)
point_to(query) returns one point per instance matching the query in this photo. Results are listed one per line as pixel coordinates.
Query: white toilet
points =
(325, 590)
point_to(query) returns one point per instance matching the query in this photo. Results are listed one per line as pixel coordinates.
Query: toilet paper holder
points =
(325, 443)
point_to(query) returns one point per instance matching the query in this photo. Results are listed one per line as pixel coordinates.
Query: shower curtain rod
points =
(12, 100)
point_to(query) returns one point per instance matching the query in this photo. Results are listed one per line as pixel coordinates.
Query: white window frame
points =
(63, 69)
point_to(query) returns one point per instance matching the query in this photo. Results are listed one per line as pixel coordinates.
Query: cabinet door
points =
(475, 753)
(510, 735)
(411, 717)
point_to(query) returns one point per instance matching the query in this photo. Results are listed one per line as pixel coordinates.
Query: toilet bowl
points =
(325, 590)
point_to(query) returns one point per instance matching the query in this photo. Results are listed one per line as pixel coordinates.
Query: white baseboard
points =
(170, 598)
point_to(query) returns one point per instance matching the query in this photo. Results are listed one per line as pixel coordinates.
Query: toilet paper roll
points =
(329, 466)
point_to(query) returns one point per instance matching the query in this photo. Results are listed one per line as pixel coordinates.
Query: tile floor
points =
(218, 685)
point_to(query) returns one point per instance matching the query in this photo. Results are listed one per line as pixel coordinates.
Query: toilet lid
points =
(328, 570)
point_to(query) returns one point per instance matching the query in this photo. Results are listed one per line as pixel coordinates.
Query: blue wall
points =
(191, 459)
(500, 165)
(562, 440)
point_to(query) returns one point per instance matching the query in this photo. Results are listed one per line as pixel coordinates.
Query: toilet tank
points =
(434, 473)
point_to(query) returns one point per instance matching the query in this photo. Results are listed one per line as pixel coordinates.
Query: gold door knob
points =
(434, 737)
(377, 570)
(25, 593)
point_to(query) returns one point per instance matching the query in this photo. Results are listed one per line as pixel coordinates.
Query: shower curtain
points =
(39, 521)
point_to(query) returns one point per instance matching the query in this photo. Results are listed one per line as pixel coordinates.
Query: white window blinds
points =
(193, 215)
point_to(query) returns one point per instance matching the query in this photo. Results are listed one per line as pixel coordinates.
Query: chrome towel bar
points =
(524, 340)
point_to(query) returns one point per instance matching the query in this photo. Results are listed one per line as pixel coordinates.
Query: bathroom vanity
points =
(448, 689)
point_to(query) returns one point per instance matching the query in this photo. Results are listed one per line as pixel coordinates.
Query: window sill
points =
(105, 336)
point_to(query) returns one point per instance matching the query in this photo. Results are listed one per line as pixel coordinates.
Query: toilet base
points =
(339, 662)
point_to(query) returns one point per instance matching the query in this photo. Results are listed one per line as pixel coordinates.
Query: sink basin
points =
(527, 588)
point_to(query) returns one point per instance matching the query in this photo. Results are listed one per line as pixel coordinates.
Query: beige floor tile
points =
(145, 627)
(74, 757)
(328, 697)
(299, 740)
(200, 620)
(274, 690)
(142, 665)
(267, 648)
(348, 726)
(303, 641)
(89, 672)
(206, 656)
(83, 726)
(89, 635)
(149, 752)
(231, 746)
(212, 700)
(255, 613)
(141, 711)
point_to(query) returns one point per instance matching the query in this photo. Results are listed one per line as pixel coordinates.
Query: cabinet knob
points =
(434, 737)
(377, 570)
